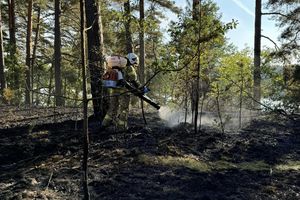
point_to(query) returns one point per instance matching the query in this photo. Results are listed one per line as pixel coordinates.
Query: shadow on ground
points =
(152, 162)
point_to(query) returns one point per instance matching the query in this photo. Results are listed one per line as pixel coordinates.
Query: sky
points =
(243, 11)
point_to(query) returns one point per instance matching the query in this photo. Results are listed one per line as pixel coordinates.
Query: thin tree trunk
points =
(2, 64)
(28, 91)
(13, 45)
(12, 26)
(257, 51)
(37, 32)
(197, 95)
(37, 99)
(85, 103)
(186, 95)
(65, 87)
(50, 86)
(142, 43)
(96, 56)
(201, 110)
(241, 94)
(195, 14)
(59, 101)
(196, 17)
(219, 110)
(127, 26)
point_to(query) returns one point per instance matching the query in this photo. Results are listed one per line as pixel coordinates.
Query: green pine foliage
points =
(286, 13)
(224, 70)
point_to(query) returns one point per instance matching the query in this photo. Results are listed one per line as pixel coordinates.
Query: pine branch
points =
(276, 46)
(275, 13)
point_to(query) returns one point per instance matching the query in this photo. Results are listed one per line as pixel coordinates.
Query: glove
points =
(145, 90)
(121, 83)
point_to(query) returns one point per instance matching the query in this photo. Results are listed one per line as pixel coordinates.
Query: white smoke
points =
(174, 117)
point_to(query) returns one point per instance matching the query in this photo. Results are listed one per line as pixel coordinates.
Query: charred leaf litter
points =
(43, 161)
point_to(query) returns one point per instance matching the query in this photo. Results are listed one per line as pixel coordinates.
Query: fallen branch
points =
(49, 180)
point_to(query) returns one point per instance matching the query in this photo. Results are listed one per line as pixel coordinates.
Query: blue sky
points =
(243, 11)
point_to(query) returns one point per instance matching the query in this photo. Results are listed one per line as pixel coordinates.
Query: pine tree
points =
(287, 13)
(2, 64)
(257, 50)
(142, 42)
(15, 82)
(28, 88)
(95, 54)
(57, 55)
(128, 36)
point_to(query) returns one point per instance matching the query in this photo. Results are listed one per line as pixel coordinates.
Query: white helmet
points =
(133, 58)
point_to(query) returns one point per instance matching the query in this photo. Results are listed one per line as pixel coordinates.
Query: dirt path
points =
(153, 162)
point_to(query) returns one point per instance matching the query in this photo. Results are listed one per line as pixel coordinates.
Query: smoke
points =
(174, 117)
(230, 119)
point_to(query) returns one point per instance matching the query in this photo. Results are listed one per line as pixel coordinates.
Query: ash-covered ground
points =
(40, 159)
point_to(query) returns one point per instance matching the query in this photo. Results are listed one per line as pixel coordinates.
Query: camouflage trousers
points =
(117, 113)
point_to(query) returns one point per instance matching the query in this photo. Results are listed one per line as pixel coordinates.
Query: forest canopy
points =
(196, 67)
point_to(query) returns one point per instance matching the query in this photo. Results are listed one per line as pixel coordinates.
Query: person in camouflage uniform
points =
(117, 114)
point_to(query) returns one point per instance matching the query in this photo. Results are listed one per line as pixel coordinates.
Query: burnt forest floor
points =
(40, 159)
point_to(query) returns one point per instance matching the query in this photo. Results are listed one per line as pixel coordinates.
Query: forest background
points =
(197, 69)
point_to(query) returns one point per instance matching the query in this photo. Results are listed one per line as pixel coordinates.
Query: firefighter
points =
(117, 114)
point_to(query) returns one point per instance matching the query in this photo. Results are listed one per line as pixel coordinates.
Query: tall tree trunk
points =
(186, 94)
(96, 55)
(142, 43)
(50, 86)
(196, 81)
(12, 25)
(37, 32)
(28, 91)
(257, 50)
(195, 14)
(2, 64)
(85, 102)
(222, 126)
(37, 98)
(127, 26)
(13, 45)
(241, 93)
(59, 101)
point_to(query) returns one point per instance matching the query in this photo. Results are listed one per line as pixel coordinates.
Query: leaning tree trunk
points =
(128, 36)
(59, 101)
(28, 89)
(142, 43)
(95, 55)
(257, 50)
(2, 65)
